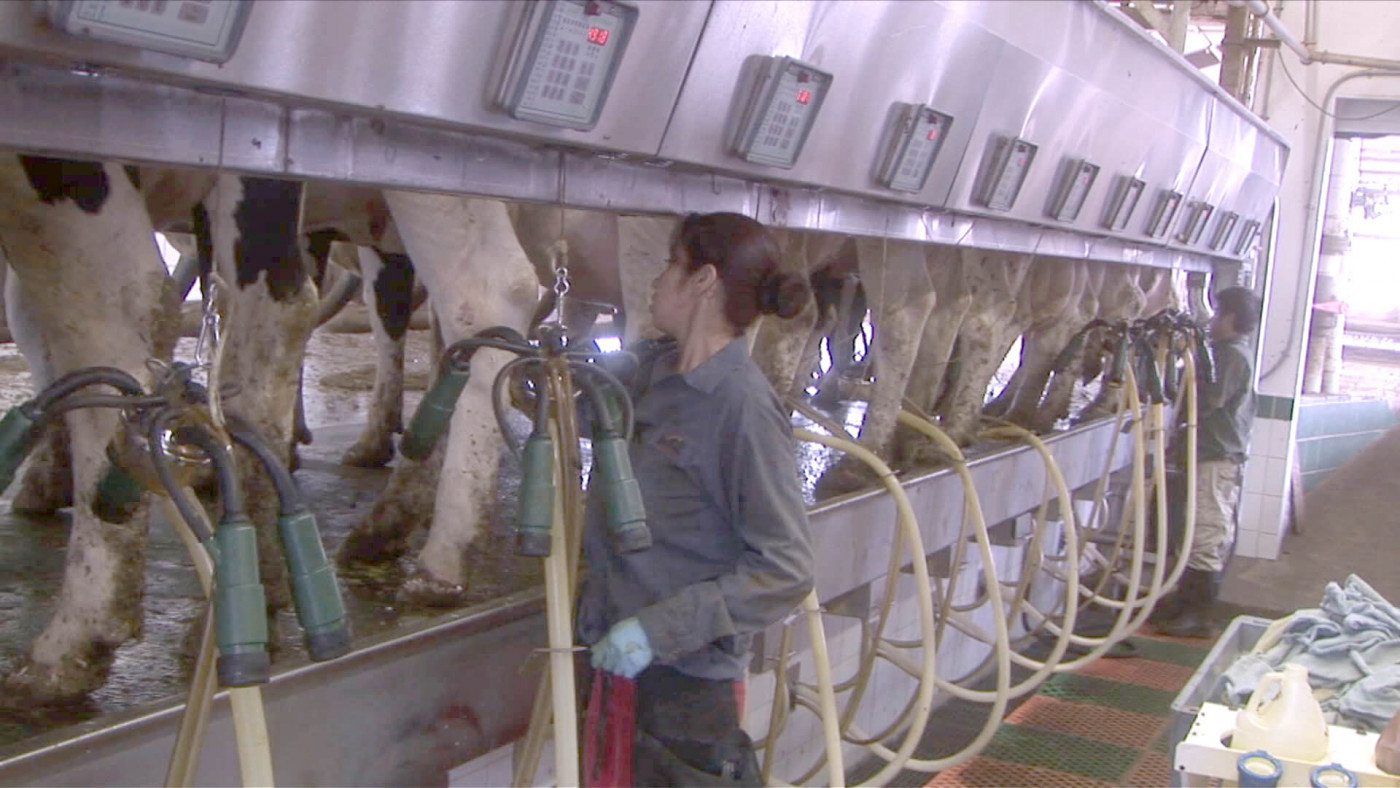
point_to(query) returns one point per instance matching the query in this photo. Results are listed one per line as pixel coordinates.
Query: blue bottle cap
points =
(1258, 769)
(1332, 775)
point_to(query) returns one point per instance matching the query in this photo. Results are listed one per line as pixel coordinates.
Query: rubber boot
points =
(1170, 607)
(1199, 590)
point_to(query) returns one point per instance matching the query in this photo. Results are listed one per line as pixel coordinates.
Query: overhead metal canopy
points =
(405, 95)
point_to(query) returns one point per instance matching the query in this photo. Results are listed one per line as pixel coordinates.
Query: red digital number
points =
(933, 134)
(804, 96)
(598, 35)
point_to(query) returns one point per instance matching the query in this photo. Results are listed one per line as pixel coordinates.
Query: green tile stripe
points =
(1062, 752)
(1103, 692)
(1280, 408)
(1170, 652)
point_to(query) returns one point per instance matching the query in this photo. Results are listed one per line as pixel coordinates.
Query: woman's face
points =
(674, 298)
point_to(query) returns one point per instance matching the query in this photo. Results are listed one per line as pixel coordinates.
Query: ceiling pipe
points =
(1305, 52)
(1261, 9)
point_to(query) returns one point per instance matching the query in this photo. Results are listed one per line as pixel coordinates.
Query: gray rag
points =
(1351, 648)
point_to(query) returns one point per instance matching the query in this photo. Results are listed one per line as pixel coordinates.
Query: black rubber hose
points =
(289, 496)
(119, 379)
(191, 513)
(498, 337)
(497, 408)
(230, 493)
(77, 402)
(595, 394)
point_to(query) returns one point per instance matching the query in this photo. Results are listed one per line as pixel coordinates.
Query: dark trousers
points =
(688, 733)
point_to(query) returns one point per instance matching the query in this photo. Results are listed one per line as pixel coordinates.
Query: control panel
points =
(1197, 217)
(198, 29)
(1123, 202)
(1163, 213)
(1224, 227)
(1251, 229)
(1005, 172)
(1075, 183)
(565, 57)
(780, 110)
(916, 135)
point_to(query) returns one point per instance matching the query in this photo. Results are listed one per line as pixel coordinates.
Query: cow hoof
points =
(422, 589)
(31, 685)
(846, 476)
(370, 547)
(369, 454)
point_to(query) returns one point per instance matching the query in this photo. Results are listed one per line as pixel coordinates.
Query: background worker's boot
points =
(1170, 606)
(1198, 592)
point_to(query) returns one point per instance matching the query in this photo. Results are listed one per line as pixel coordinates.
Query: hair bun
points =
(784, 294)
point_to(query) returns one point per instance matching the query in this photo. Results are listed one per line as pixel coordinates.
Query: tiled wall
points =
(1266, 480)
(1332, 431)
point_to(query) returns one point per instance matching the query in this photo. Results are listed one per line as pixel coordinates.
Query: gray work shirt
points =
(731, 553)
(1227, 404)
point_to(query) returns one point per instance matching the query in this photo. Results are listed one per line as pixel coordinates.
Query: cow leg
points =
(271, 306)
(389, 291)
(777, 348)
(994, 282)
(1057, 303)
(478, 276)
(67, 226)
(932, 365)
(47, 482)
(901, 295)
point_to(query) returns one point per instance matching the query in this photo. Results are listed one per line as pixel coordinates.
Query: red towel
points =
(608, 730)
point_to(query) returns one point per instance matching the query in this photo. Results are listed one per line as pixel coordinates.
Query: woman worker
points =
(713, 454)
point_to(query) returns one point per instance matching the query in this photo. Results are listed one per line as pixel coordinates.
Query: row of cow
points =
(88, 287)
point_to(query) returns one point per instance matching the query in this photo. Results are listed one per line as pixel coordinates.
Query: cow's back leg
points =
(932, 364)
(1059, 318)
(68, 225)
(478, 276)
(990, 327)
(778, 344)
(46, 484)
(389, 294)
(901, 295)
(271, 305)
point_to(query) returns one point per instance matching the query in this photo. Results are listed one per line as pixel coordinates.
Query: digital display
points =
(1163, 213)
(1070, 198)
(1251, 229)
(1123, 203)
(786, 97)
(201, 29)
(574, 50)
(911, 147)
(1223, 229)
(1009, 165)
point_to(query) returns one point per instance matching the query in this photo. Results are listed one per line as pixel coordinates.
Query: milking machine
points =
(167, 437)
(548, 526)
(1150, 349)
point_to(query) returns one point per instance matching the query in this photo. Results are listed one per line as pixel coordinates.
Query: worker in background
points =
(1225, 417)
(731, 555)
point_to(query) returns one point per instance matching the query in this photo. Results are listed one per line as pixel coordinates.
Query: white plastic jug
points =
(1290, 725)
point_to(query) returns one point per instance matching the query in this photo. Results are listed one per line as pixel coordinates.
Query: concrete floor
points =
(1350, 525)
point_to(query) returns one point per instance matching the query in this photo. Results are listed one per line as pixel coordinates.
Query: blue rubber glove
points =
(624, 651)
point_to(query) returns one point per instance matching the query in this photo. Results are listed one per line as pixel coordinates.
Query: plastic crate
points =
(1205, 686)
